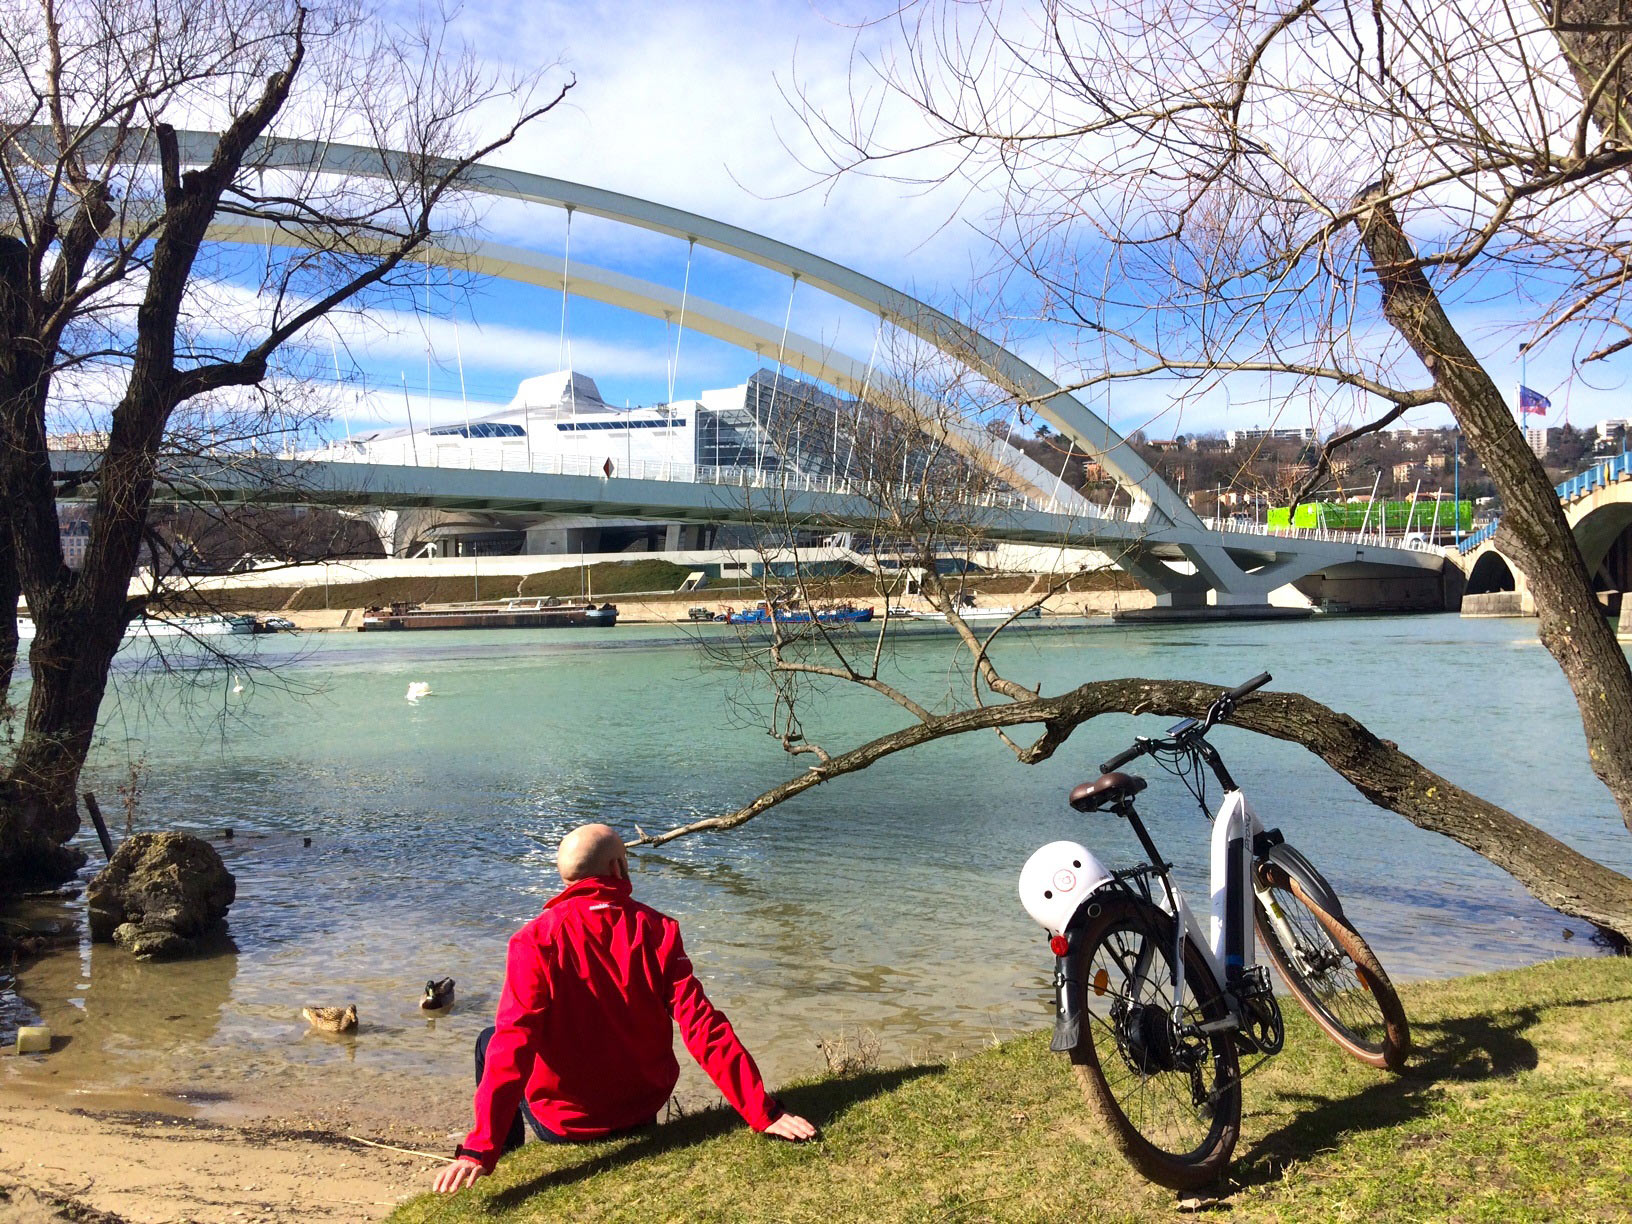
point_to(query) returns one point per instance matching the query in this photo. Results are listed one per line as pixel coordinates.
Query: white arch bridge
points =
(1160, 541)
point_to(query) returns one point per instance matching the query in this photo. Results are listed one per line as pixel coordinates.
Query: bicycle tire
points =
(1336, 977)
(1149, 1107)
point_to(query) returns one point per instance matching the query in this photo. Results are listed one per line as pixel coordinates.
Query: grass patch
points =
(1517, 1106)
(608, 578)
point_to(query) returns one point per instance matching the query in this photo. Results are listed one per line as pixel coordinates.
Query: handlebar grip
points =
(1122, 758)
(1241, 690)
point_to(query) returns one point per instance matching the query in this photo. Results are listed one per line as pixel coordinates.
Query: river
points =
(884, 901)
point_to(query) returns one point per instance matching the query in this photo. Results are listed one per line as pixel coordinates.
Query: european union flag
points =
(1532, 401)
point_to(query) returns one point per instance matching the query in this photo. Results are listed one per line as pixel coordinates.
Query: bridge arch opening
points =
(1605, 539)
(1491, 573)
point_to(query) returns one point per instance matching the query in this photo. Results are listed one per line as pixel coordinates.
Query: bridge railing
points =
(502, 458)
(1327, 534)
(1471, 542)
(1603, 472)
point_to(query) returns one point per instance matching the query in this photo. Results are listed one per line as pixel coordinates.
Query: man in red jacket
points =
(583, 1043)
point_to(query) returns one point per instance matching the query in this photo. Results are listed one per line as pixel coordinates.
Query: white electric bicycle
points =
(1155, 1010)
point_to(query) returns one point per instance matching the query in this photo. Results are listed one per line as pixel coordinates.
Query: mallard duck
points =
(332, 1019)
(438, 995)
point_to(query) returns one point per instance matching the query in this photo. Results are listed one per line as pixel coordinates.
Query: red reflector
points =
(1059, 945)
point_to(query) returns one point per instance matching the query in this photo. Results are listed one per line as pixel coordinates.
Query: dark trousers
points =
(517, 1135)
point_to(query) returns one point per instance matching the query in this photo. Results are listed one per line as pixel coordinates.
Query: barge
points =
(507, 614)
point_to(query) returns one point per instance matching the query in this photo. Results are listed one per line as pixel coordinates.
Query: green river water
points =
(884, 901)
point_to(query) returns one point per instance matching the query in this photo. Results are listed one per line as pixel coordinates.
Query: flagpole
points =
(1456, 493)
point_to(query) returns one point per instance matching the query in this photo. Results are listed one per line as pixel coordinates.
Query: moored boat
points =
(764, 614)
(167, 626)
(507, 614)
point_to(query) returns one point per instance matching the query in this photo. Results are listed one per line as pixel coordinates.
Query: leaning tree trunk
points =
(1549, 870)
(1534, 533)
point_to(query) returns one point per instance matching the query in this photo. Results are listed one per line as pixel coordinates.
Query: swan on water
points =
(418, 689)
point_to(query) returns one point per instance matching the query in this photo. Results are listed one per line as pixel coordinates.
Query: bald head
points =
(591, 850)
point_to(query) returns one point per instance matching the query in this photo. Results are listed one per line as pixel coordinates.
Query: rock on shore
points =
(160, 895)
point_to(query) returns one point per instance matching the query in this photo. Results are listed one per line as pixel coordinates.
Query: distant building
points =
(84, 440)
(1537, 437)
(1437, 461)
(1609, 428)
(74, 529)
(1236, 437)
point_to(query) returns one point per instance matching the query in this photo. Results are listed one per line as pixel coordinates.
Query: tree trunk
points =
(1534, 533)
(1592, 33)
(1549, 870)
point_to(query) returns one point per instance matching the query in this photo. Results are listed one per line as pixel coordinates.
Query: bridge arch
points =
(1215, 566)
(1603, 531)
(951, 337)
(801, 353)
(1491, 572)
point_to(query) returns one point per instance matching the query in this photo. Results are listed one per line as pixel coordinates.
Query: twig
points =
(391, 1147)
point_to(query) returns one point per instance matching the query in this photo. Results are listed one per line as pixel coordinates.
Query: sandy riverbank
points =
(671, 610)
(143, 1159)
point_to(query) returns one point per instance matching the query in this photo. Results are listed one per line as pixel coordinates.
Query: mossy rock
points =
(160, 895)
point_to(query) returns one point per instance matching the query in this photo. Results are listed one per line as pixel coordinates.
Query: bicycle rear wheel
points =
(1331, 970)
(1169, 1095)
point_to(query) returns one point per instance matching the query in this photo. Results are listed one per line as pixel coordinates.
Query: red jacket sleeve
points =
(712, 1041)
(517, 1038)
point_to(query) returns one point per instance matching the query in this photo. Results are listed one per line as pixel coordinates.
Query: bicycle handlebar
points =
(1122, 758)
(1241, 690)
(1222, 707)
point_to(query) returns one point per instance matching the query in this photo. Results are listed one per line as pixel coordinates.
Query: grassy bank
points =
(1517, 1105)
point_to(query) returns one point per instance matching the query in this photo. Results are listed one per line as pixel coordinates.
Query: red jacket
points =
(584, 1024)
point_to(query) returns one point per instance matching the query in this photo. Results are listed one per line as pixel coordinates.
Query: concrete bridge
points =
(1186, 567)
(1598, 507)
(1188, 564)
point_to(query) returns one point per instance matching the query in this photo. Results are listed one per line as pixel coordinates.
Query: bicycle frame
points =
(1227, 944)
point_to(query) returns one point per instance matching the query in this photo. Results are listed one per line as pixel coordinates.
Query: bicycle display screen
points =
(1179, 728)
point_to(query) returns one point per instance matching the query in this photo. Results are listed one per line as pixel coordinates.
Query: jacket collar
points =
(594, 888)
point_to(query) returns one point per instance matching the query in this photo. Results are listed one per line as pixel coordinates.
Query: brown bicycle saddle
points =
(1104, 791)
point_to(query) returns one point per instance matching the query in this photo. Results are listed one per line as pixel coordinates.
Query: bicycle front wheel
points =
(1169, 1094)
(1330, 970)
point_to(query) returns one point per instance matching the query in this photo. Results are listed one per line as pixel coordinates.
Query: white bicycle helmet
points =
(1055, 880)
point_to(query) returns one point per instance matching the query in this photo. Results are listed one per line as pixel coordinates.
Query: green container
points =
(1423, 515)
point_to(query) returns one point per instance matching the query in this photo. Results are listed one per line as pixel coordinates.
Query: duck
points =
(438, 995)
(332, 1019)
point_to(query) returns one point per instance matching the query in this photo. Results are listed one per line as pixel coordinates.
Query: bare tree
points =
(116, 304)
(1211, 194)
(1214, 193)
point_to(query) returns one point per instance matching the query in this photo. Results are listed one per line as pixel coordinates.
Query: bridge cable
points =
(867, 382)
(861, 400)
(685, 289)
(334, 353)
(563, 345)
(430, 420)
(781, 353)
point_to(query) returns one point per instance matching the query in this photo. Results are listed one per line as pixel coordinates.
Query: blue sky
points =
(684, 104)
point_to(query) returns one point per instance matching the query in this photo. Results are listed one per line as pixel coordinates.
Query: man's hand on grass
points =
(791, 1127)
(461, 1173)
